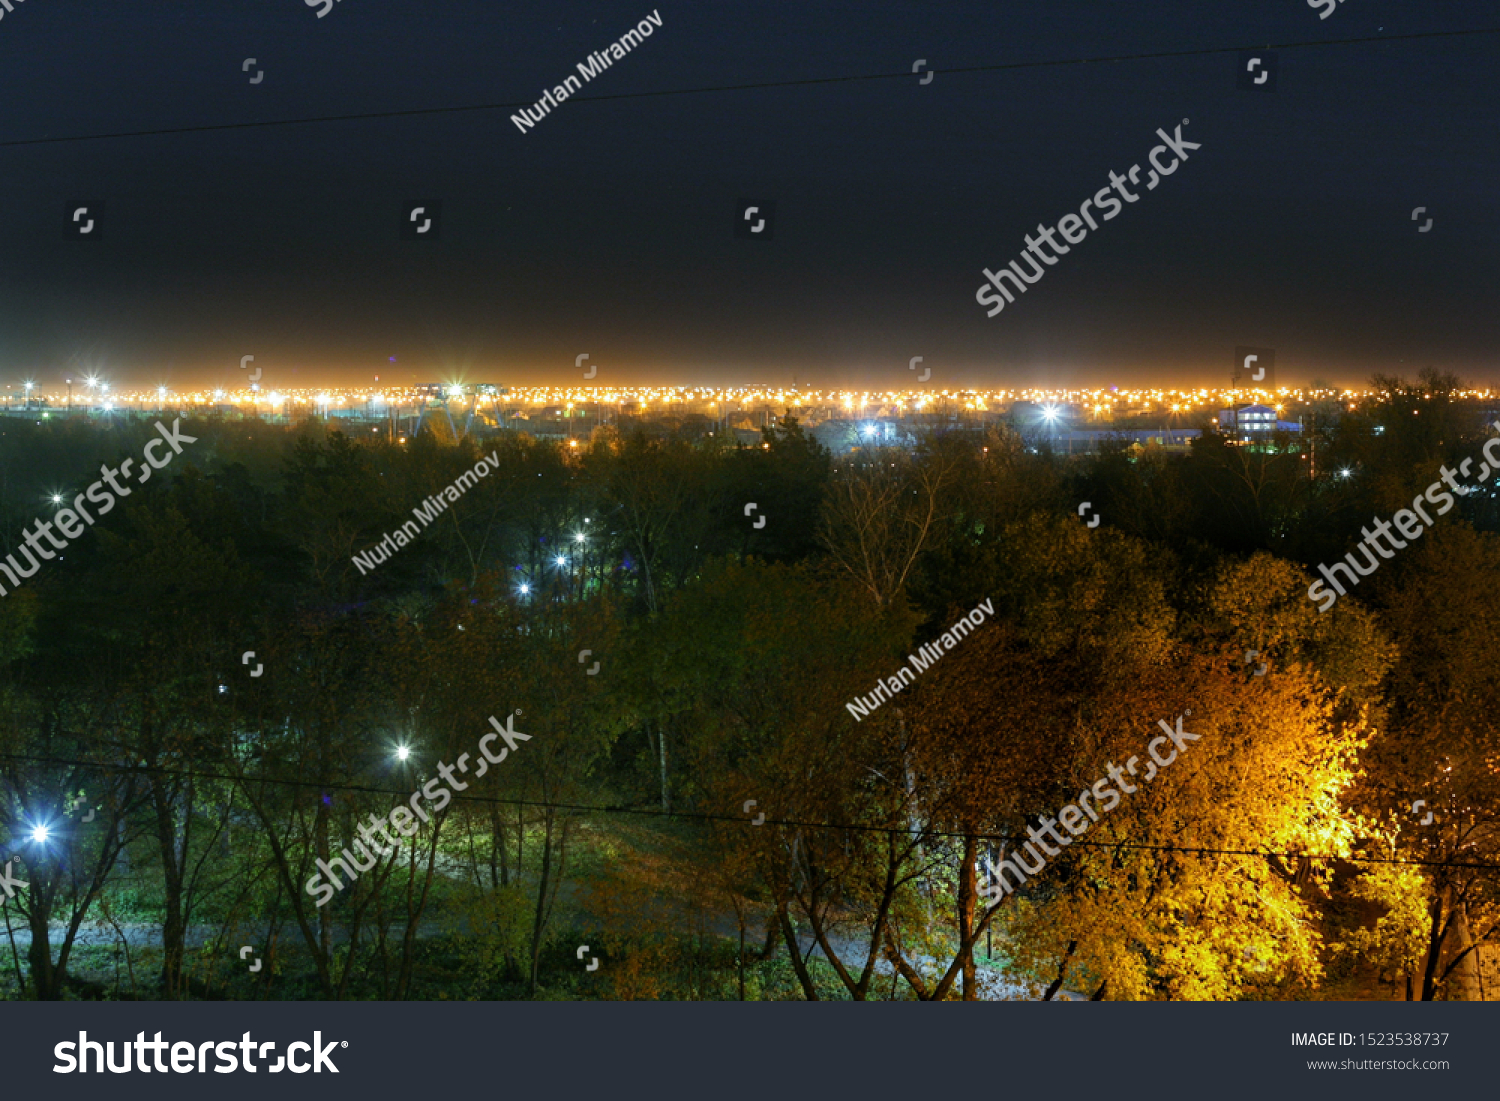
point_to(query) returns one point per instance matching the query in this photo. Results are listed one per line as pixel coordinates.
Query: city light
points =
(871, 413)
(402, 752)
(560, 560)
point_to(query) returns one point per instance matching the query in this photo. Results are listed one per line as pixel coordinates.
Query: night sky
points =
(609, 228)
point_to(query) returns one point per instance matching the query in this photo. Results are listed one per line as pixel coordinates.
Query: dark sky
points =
(609, 228)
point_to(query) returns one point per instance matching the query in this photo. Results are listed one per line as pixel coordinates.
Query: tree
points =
(754, 665)
(1442, 746)
(882, 507)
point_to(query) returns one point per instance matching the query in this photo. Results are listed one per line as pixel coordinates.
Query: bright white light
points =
(1345, 472)
(869, 430)
(578, 538)
(40, 833)
(161, 391)
(525, 589)
(402, 752)
(57, 498)
(1050, 412)
(218, 395)
(324, 399)
(455, 391)
(560, 560)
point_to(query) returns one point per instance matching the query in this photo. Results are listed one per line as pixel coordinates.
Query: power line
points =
(702, 817)
(803, 83)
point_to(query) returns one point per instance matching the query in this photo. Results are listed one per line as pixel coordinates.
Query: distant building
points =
(1254, 421)
(1135, 439)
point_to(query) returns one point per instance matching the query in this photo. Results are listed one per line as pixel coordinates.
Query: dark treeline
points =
(164, 806)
